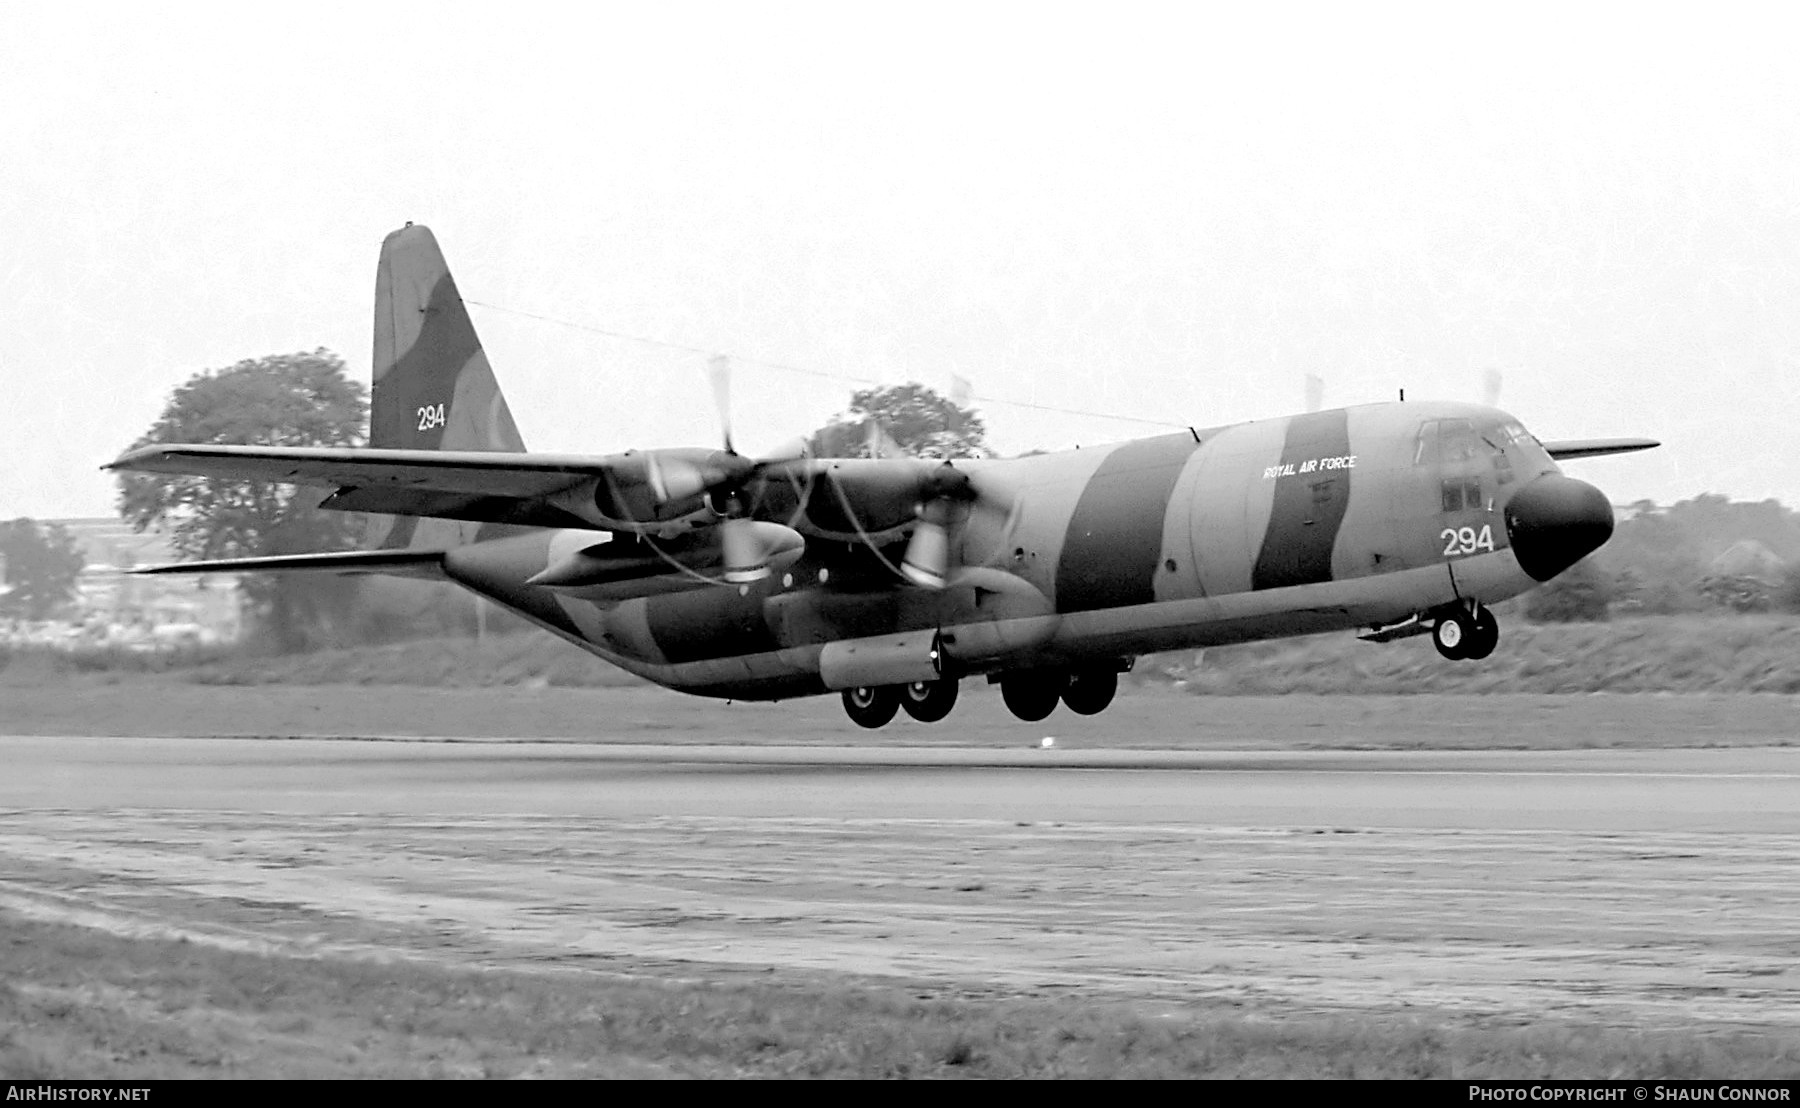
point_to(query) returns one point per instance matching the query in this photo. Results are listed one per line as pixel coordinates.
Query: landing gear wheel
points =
(1483, 637)
(1032, 694)
(872, 705)
(1091, 690)
(929, 701)
(1453, 634)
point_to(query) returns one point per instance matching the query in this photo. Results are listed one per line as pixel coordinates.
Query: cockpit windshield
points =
(1457, 441)
(1446, 441)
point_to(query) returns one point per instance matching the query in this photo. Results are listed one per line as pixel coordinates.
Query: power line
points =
(804, 371)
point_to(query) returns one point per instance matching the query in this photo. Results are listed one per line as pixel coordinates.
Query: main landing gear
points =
(1466, 633)
(876, 705)
(872, 705)
(929, 701)
(1030, 694)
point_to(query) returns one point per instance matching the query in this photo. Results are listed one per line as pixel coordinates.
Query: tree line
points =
(1707, 554)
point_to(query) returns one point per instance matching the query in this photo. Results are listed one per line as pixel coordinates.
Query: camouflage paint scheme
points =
(1363, 517)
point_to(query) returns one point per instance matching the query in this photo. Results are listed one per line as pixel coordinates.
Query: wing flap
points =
(453, 505)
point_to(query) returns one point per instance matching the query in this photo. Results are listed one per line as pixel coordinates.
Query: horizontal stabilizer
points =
(402, 563)
(1564, 449)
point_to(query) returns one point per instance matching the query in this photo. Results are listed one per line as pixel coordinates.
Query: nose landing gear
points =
(1469, 633)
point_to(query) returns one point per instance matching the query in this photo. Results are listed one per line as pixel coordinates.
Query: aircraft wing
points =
(474, 472)
(480, 485)
(1564, 449)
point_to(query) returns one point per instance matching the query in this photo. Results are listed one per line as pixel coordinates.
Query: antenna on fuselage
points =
(1402, 396)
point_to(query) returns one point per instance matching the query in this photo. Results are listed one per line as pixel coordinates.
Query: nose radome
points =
(1555, 522)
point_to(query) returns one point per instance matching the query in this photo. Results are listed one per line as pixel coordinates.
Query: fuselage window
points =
(1472, 493)
(1462, 494)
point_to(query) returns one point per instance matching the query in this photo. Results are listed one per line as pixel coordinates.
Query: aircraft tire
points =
(1091, 690)
(872, 706)
(1031, 695)
(929, 701)
(1452, 636)
(1483, 637)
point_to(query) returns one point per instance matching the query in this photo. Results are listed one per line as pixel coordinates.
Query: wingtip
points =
(132, 456)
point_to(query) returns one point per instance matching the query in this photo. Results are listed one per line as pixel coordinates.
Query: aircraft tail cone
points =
(1556, 521)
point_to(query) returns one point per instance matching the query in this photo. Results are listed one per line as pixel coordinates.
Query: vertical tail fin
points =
(433, 388)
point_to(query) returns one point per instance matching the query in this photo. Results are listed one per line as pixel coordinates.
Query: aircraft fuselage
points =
(1358, 517)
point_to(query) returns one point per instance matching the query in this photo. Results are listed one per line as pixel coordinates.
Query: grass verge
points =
(80, 1003)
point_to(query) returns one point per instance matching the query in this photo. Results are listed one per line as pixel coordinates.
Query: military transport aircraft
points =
(890, 580)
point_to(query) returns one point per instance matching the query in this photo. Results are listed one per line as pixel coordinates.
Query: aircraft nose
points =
(1556, 521)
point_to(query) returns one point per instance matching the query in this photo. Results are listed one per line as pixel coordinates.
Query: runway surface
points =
(1631, 887)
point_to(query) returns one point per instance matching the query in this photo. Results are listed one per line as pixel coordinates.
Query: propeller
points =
(948, 497)
(943, 496)
(747, 545)
(1315, 392)
(718, 374)
(877, 443)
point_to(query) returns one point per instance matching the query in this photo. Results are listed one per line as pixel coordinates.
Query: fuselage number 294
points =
(1466, 540)
(430, 416)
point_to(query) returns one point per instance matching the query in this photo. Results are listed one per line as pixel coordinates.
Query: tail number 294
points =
(430, 416)
(1466, 540)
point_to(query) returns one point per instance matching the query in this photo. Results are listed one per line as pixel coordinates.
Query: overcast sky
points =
(1170, 213)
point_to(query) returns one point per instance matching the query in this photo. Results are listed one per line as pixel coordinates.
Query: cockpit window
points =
(1447, 441)
(1426, 451)
(1457, 441)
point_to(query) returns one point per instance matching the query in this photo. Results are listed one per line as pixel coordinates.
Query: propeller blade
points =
(927, 560)
(748, 546)
(793, 450)
(878, 442)
(673, 479)
(745, 557)
(718, 374)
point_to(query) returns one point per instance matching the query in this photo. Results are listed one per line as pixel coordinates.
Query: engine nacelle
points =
(650, 490)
